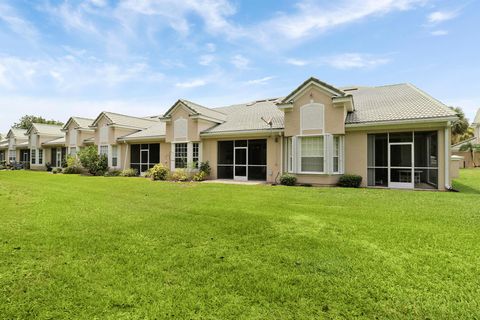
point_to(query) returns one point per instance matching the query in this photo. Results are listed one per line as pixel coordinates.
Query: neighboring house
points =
(109, 127)
(476, 126)
(3, 147)
(467, 156)
(17, 149)
(78, 134)
(42, 150)
(393, 136)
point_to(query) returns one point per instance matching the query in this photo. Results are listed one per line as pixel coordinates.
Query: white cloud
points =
(16, 23)
(310, 18)
(240, 62)
(354, 61)
(297, 62)
(74, 17)
(191, 84)
(264, 80)
(211, 47)
(206, 59)
(441, 16)
(438, 33)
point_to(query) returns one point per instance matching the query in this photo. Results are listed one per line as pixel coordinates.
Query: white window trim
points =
(302, 125)
(299, 156)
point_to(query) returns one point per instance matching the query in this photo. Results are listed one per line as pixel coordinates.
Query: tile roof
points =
(83, 122)
(248, 117)
(48, 129)
(18, 133)
(58, 141)
(476, 120)
(201, 110)
(128, 121)
(158, 129)
(393, 103)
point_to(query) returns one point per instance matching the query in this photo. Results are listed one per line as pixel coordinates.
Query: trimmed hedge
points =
(350, 181)
(288, 179)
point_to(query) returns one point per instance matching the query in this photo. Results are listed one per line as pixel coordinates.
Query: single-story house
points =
(17, 148)
(46, 143)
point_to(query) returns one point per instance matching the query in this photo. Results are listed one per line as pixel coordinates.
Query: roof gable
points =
(45, 129)
(124, 120)
(196, 110)
(333, 91)
(14, 133)
(476, 120)
(82, 123)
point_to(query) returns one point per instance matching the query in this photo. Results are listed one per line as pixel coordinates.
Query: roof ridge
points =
(126, 115)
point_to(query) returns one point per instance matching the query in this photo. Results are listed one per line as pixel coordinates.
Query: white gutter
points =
(395, 122)
(240, 132)
(447, 158)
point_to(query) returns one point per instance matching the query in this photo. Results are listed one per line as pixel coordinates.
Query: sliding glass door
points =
(401, 165)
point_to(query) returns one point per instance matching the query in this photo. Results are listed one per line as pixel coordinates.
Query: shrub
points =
(48, 165)
(56, 170)
(129, 173)
(200, 176)
(158, 172)
(75, 169)
(350, 181)
(288, 180)
(179, 175)
(113, 173)
(95, 164)
(205, 167)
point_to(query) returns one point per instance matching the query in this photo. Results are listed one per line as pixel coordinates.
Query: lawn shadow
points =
(464, 188)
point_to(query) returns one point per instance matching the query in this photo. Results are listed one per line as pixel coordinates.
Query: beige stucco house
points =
(78, 134)
(16, 148)
(393, 136)
(46, 145)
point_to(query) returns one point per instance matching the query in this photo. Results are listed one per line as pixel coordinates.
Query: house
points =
(78, 134)
(393, 136)
(46, 143)
(17, 149)
(109, 131)
(468, 161)
(476, 126)
(3, 148)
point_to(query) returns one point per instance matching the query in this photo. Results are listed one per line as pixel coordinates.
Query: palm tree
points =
(472, 148)
(459, 126)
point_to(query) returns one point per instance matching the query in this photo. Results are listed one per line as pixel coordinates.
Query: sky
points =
(78, 58)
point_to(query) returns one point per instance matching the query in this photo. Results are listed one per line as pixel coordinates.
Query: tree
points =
(27, 120)
(472, 148)
(460, 126)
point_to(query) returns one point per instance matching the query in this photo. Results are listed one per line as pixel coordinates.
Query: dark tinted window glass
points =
(54, 156)
(378, 177)
(257, 152)
(426, 149)
(240, 156)
(136, 167)
(135, 153)
(155, 153)
(401, 137)
(240, 143)
(144, 146)
(225, 152)
(225, 172)
(241, 171)
(257, 173)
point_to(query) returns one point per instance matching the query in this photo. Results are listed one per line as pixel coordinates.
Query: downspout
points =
(447, 160)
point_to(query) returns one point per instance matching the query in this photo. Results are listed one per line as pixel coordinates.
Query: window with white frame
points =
(33, 156)
(103, 150)
(73, 137)
(195, 154)
(73, 151)
(312, 157)
(40, 156)
(336, 154)
(104, 134)
(181, 155)
(33, 141)
(312, 116)
(114, 156)
(12, 155)
(289, 148)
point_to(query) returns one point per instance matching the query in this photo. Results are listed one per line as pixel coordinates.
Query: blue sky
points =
(64, 58)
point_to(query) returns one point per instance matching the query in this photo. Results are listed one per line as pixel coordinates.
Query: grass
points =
(123, 248)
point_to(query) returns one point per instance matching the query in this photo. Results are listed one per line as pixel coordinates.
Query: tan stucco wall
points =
(334, 116)
(194, 126)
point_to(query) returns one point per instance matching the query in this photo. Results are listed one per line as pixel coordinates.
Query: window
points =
(242, 158)
(180, 155)
(33, 156)
(73, 137)
(104, 134)
(195, 154)
(104, 150)
(312, 154)
(180, 129)
(289, 148)
(114, 156)
(312, 116)
(33, 141)
(336, 154)
(73, 151)
(12, 155)
(40, 156)
(144, 156)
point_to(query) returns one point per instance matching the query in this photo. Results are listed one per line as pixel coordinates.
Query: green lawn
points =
(123, 248)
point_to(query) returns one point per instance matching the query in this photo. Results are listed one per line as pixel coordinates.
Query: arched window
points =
(180, 129)
(312, 116)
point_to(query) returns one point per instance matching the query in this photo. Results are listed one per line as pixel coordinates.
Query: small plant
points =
(113, 173)
(73, 167)
(48, 166)
(158, 172)
(56, 170)
(179, 175)
(129, 173)
(350, 181)
(199, 176)
(288, 180)
(205, 167)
